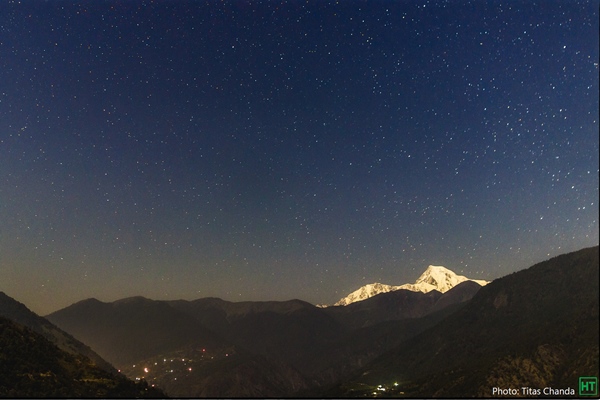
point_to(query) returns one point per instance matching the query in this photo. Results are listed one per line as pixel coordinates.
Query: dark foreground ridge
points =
(32, 366)
(536, 328)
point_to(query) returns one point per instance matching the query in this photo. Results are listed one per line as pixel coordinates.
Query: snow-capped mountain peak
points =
(365, 292)
(434, 278)
(441, 279)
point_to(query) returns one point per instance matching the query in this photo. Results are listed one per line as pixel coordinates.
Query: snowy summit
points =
(434, 278)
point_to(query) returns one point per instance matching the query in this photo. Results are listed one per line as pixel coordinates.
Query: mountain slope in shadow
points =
(131, 329)
(19, 313)
(400, 304)
(287, 347)
(32, 366)
(536, 328)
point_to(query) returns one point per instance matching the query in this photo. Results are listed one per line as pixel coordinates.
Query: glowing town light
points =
(146, 370)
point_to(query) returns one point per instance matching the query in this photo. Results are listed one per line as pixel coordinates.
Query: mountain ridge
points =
(536, 327)
(39, 360)
(284, 344)
(435, 277)
(293, 347)
(18, 312)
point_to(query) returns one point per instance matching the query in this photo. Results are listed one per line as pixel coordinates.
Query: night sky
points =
(276, 150)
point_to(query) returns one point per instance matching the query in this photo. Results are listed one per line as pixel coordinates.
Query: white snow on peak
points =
(434, 278)
(438, 278)
(365, 292)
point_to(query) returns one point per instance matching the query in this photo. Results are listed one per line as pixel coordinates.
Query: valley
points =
(394, 343)
(189, 348)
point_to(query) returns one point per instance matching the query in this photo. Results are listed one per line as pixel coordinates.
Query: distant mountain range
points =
(400, 304)
(434, 278)
(290, 346)
(443, 336)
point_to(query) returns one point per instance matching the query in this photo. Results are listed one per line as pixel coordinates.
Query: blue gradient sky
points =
(275, 150)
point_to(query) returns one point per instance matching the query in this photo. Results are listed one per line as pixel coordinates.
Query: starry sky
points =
(299, 149)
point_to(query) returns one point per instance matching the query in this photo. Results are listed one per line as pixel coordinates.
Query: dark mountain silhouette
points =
(461, 293)
(131, 329)
(18, 312)
(138, 333)
(400, 304)
(248, 376)
(293, 332)
(290, 346)
(531, 328)
(214, 373)
(33, 366)
(360, 346)
(537, 328)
